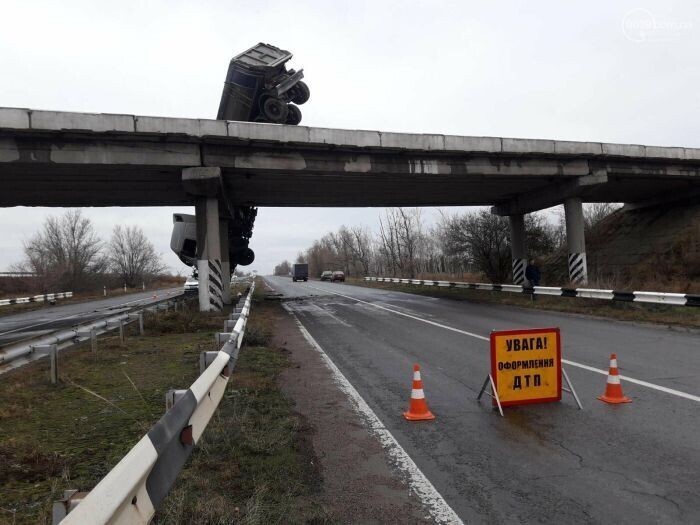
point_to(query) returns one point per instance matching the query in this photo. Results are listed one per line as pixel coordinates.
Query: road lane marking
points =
(636, 381)
(640, 382)
(433, 501)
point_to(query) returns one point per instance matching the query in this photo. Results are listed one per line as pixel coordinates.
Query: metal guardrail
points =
(77, 334)
(132, 491)
(674, 299)
(36, 298)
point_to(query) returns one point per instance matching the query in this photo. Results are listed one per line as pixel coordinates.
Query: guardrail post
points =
(205, 359)
(221, 338)
(121, 331)
(172, 397)
(229, 325)
(53, 353)
(62, 507)
(93, 339)
(141, 331)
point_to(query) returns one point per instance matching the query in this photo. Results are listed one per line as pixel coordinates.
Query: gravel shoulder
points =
(358, 483)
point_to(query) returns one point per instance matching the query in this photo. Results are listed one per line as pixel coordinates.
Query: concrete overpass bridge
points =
(50, 158)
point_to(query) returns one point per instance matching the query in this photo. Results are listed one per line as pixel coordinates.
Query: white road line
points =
(433, 501)
(408, 315)
(636, 381)
(640, 382)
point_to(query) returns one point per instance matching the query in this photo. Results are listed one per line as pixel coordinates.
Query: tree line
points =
(67, 254)
(475, 243)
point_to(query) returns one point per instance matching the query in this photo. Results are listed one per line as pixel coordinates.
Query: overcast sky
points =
(625, 71)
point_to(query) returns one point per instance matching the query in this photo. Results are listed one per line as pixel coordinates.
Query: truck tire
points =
(275, 110)
(301, 93)
(294, 115)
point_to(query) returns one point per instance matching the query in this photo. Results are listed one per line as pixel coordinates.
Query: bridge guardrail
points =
(76, 334)
(36, 298)
(132, 491)
(674, 299)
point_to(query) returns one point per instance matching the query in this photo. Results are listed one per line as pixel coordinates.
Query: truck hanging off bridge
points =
(258, 88)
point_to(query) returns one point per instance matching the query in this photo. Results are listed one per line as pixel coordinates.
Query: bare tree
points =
(283, 268)
(65, 251)
(481, 238)
(595, 212)
(132, 256)
(400, 234)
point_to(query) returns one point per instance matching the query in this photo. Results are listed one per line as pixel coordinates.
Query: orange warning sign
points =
(526, 365)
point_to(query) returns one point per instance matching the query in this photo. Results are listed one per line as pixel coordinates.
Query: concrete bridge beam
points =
(518, 247)
(576, 241)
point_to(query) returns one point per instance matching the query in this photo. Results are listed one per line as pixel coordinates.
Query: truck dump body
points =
(259, 88)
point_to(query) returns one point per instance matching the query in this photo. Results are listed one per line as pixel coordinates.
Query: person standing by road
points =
(532, 274)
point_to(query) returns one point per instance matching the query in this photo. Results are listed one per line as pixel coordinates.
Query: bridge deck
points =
(50, 158)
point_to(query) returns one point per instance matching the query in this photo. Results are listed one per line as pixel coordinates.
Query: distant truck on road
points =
(300, 272)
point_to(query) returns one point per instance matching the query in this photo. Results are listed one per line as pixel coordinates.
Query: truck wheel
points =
(275, 110)
(294, 115)
(301, 93)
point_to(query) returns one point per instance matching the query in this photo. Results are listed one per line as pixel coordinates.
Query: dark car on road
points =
(327, 275)
(338, 277)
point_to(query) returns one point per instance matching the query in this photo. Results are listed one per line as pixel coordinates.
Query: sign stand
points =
(494, 392)
(570, 388)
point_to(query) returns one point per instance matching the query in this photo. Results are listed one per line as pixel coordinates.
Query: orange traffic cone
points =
(417, 408)
(613, 388)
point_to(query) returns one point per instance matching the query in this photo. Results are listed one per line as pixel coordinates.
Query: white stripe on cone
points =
(417, 394)
(613, 380)
(613, 363)
(416, 375)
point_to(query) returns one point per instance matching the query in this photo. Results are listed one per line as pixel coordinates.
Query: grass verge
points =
(253, 465)
(687, 316)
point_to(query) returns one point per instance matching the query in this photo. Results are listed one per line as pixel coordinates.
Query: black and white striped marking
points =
(578, 272)
(36, 298)
(215, 283)
(674, 299)
(519, 271)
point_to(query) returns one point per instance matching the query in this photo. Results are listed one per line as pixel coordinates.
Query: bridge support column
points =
(209, 254)
(576, 241)
(225, 262)
(518, 248)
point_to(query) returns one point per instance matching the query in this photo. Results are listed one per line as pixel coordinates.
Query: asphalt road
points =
(550, 463)
(17, 327)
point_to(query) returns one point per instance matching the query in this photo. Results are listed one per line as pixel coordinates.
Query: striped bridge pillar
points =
(519, 271)
(209, 266)
(576, 241)
(578, 270)
(518, 248)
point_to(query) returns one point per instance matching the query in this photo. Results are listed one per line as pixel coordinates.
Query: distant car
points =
(191, 285)
(338, 276)
(327, 275)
